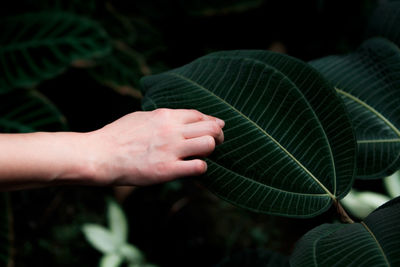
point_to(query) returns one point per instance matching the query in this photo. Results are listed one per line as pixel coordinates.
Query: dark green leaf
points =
(5, 231)
(255, 258)
(121, 70)
(289, 147)
(368, 82)
(374, 242)
(39, 46)
(28, 111)
(385, 22)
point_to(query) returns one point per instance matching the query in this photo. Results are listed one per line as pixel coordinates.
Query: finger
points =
(202, 128)
(184, 168)
(199, 146)
(192, 115)
(220, 122)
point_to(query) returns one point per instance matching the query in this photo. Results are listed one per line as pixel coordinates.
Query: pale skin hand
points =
(141, 148)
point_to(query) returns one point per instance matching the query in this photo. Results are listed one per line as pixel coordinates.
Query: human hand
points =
(144, 148)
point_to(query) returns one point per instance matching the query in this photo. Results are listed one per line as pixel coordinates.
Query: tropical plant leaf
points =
(24, 111)
(111, 260)
(5, 231)
(373, 242)
(255, 258)
(278, 156)
(385, 22)
(368, 82)
(392, 184)
(100, 238)
(132, 254)
(118, 222)
(361, 204)
(38, 46)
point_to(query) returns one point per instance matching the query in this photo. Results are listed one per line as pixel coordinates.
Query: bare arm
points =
(141, 148)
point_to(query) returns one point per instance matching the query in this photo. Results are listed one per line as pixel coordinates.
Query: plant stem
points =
(344, 217)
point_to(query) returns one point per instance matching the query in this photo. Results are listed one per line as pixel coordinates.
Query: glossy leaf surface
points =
(282, 135)
(368, 82)
(38, 46)
(373, 242)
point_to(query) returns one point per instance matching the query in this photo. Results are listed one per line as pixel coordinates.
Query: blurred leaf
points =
(392, 184)
(5, 231)
(368, 82)
(255, 258)
(385, 22)
(24, 111)
(132, 254)
(118, 26)
(38, 46)
(100, 238)
(111, 260)
(373, 242)
(361, 204)
(118, 223)
(279, 113)
(121, 70)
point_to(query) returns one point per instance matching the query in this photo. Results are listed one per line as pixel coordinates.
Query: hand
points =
(144, 148)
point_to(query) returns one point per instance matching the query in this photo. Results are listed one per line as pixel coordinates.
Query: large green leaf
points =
(38, 46)
(369, 83)
(385, 22)
(24, 111)
(5, 231)
(373, 242)
(289, 148)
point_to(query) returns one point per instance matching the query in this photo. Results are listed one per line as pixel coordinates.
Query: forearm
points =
(141, 148)
(38, 159)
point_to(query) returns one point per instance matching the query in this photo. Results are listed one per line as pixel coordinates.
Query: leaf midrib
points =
(377, 243)
(261, 129)
(370, 108)
(375, 141)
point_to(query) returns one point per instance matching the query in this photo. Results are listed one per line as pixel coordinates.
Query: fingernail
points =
(220, 122)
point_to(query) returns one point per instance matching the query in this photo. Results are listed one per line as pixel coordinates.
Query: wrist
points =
(80, 161)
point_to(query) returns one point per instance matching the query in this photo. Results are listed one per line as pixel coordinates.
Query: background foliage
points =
(177, 223)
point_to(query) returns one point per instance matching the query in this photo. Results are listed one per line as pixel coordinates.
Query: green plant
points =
(297, 133)
(113, 241)
(290, 148)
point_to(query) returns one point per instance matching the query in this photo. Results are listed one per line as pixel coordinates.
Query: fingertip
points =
(220, 122)
(199, 166)
(202, 166)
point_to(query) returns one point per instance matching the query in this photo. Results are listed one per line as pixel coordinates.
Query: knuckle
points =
(214, 129)
(162, 112)
(196, 114)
